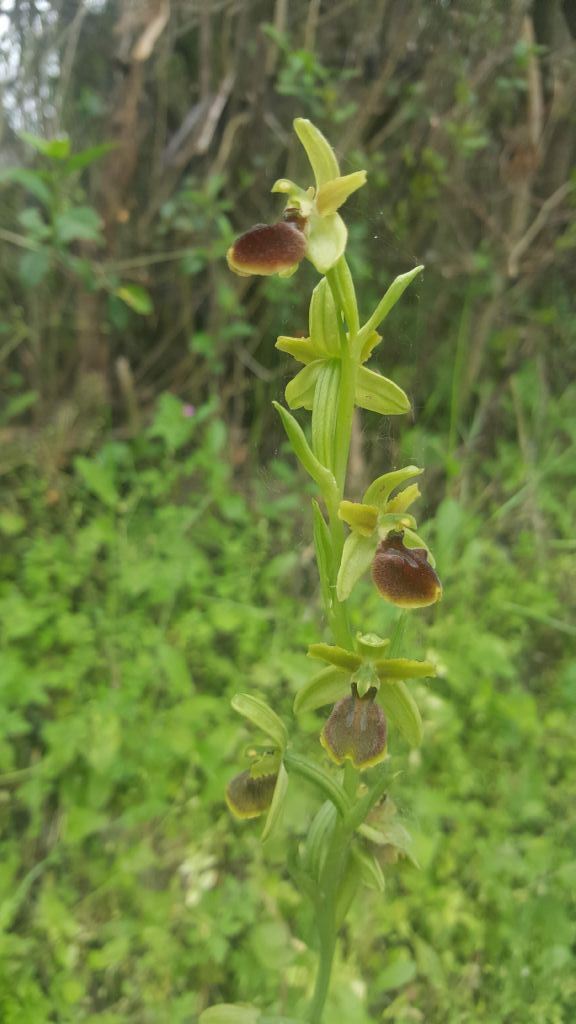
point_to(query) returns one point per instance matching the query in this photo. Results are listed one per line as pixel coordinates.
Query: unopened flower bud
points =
(249, 797)
(404, 575)
(268, 249)
(356, 730)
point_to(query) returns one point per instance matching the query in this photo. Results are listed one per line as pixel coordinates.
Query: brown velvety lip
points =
(268, 249)
(404, 575)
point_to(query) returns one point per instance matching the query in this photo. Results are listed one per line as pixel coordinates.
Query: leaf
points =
(230, 1013)
(55, 149)
(79, 223)
(327, 237)
(324, 554)
(136, 297)
(325, 688)
(34, 266)
(395, 291)
(335, 655)
(323, 321)
(34, 223)
(87, 156)
(325, 411)
(322, 476)
(98, 479)
(357, 557)
(380, 490)
(277, 805)
(318, 150)
(31, 180)
(402, 710)
(299, 392)
(262, 716)
(379, 394)
(333, 194)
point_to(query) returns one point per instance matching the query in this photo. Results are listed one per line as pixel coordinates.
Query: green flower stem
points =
(312, 773)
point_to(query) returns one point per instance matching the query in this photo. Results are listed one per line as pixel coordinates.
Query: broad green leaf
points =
(325, 411)
(333, 194)
(262, 716)
(79, 223)
(31, 180)
(34, 266)
(136, 297)
(276, 807)
(230, 1013)
(379, 394)
(335, 655)
(55, 149)
(403, 668)
(322, 476)
(318, 150)
(299, 392)
(380, 490)
(357, 557)
(362, 518)
(327, 237)
(402, 710)
(395, 291)
(87, 156)
(99, 480)
(323, 322)
(325, 688)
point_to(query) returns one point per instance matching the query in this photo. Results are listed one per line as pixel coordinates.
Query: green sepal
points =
(230, 1013)
(390, 299)
(365, 678)
(325, 410)
(402, 710)
(326, 241)
(333, 194)
(278, 800)
(323, 321)
(335, 655)
(380, 490)
(262, 716)
(370, 644)
(370, 871)
(301, 349)
(403, 668)
(319, 473)
(362, 518)
(300, 391)
(357, 556)
(326, 687)
(392, 833)
(379, 394)
(318, 150)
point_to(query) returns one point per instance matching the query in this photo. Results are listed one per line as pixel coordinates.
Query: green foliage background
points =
(156, 540)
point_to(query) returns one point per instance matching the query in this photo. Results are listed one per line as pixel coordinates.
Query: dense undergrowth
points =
(139, 592)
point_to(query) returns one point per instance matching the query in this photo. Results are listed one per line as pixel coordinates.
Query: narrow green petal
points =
(357, 557)
(301, 349)
(378, 394)
(318, 150)
(335, 655)
(362, 518)
(404, 500)
(333, 194)
(403, 668)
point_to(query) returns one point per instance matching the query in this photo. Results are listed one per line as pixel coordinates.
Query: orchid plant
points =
(361, 674)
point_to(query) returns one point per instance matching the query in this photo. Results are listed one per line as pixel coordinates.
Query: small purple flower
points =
(188, 410)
